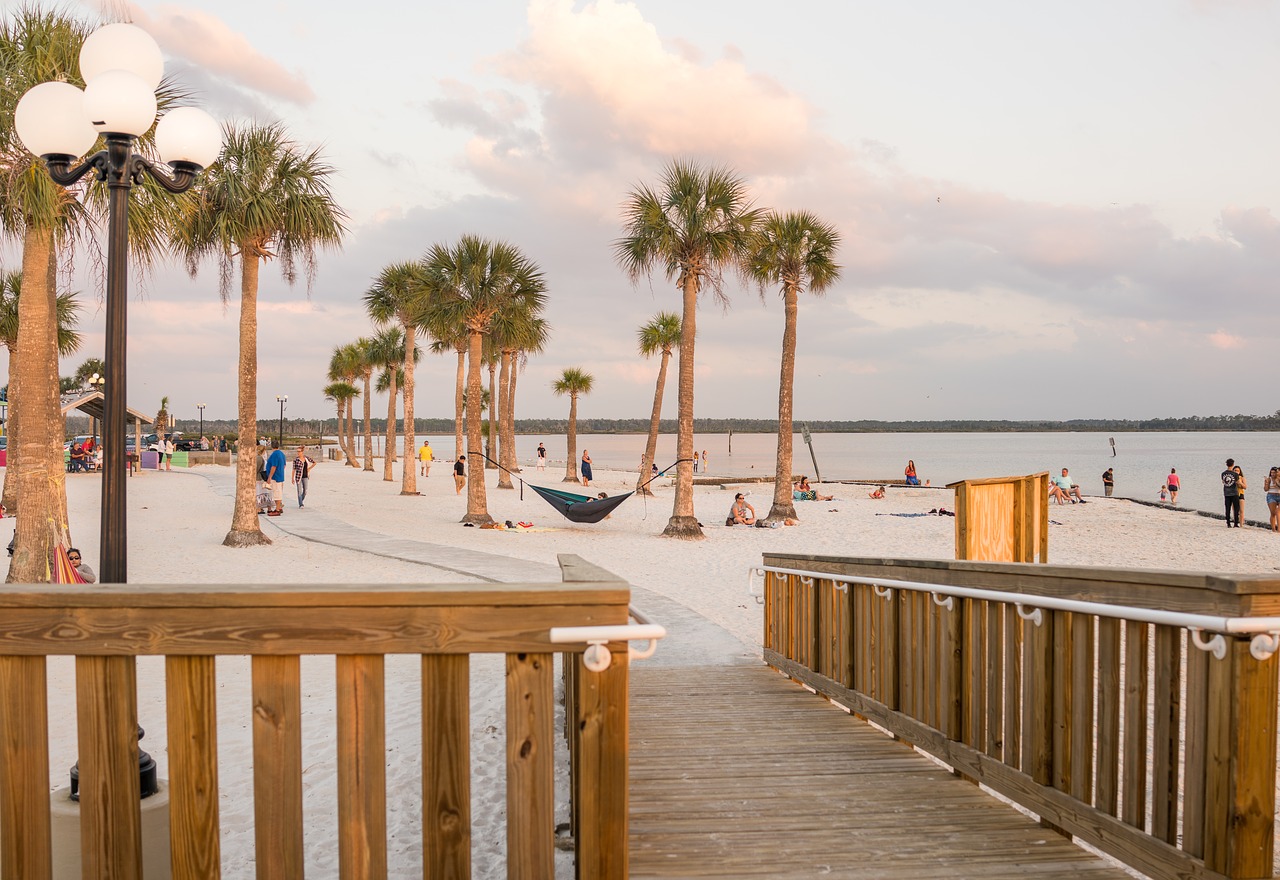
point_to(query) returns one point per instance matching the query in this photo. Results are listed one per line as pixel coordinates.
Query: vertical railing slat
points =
(993, 686)
(1109, 698)
(1037, 699)
(973, 676)
(1012, 687)
(277, 766)
(602, 785)
(446, 765)
(530, 767)
(194, 832)
(107, 736)
(362, 766)
(1064, 700)
(25, 836)
(1133, 780)
(1081, 718)
(1194, 751)
(1166, 738)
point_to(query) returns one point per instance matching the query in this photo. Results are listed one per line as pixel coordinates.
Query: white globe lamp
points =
(120, 102)
(188, 135)
(122, 47)
(50, 120)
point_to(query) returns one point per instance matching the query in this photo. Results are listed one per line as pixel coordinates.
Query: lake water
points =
(1141, 463)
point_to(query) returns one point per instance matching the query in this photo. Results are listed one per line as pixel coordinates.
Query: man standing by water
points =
(459, 474)
(542, 457)
(1108, 482)
(1231, 494)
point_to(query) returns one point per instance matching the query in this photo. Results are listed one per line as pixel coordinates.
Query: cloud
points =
(1226, 341)
(206, 41)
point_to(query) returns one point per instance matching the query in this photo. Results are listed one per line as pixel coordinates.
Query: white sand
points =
(177, 522)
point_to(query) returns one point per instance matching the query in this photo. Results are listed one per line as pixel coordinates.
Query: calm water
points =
(1141, 463)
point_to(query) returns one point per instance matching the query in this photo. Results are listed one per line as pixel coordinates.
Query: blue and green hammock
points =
(574, 507)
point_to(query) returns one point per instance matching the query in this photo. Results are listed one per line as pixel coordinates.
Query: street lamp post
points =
(121, 66)
(201, 406)
(96, 382)
(281, 399)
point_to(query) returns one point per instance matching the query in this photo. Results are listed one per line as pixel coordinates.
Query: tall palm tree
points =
(491, 357)
(162, 421)
(476, 279)
(66, 316)
(87, 370)
(265, 198)
(388, 348)
(402, 292)
(368, 363)
(341, 394)
(344, 366)
(457, 340)
(573, 382)
(694, 226)
(796, 251)
(529, 334)
(660, 335)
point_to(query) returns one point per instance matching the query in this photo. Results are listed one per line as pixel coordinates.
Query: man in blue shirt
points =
(275, 477)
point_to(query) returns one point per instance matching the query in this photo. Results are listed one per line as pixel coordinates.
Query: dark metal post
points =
(280, 432)
(114, 534)
(200, 406)
(817, 475)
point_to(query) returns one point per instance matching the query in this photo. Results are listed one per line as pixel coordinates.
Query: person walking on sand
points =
(1108, 482)
(1231, 493)
(425, 457)
(586, 468)
(1272, 487)
(542, 457)
(301, 476)
(459, 474)
(275, 477)
(1174, 482)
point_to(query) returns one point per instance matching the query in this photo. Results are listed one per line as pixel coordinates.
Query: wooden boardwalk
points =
(736, 771)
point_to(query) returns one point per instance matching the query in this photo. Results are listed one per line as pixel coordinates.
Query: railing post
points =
(25, 835)
(1241, 763)
(600, 791)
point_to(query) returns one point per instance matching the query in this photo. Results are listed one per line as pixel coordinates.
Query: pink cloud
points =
(206, 41)
(1226, 341)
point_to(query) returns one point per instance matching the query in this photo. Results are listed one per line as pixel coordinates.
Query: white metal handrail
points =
(597, 656)
(1265, 631)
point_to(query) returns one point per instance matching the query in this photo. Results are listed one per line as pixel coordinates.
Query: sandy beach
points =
(177, 521)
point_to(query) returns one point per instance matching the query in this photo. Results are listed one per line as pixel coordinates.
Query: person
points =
(809, 493)
(262, 467)
(1241, 485)
(542, 457)
(425, 457)
(1272, 487)
(168, 458)
(459, 474)
(1064, 488)
(704, 461)
(877, 494)
(586, 468)
(910, 473)
(77, 463)
(695, 462)
(1174, 482)
(81, 567)
(1164, 493)
(1108, 482)
(204, 444)
(1231, 494)
(742, 513)
(301, 476)
(275, 477)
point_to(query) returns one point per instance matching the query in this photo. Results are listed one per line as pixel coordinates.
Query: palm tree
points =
(491, 357)
(697, 224)
(475, 280)
(66, 315)
(402, 292)
(388, 347)
(341, 394)
(344, 366)
(660, 335)
(368, 362)
(457, 340)
(162, 422)
(88, 369)
(264, 198)
(573, 382)
(529, 334)
(795, 250)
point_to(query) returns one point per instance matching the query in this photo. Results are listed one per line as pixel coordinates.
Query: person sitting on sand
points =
(805, 492)
(742, 513)
(877, 494)
(910, 474)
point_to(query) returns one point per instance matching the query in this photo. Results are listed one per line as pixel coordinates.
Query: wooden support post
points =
(1109, 698)
(1133, 781)
(194, 832)
(601, 788)
(446, 765)
(530, 767)
(277, 766)
(107, 734)
(362, 767)
(1037, 700)
(25, 838)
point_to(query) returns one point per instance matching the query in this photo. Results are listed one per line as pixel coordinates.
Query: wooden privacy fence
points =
(1133, 709)
(106, 628)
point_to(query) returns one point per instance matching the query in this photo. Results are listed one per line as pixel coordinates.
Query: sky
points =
(1047, 210)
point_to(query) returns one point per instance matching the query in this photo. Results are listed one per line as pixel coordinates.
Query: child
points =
(877, 494)
(1164, 494)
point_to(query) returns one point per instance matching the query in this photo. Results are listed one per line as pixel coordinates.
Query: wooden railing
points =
(107, 627)
(1123, 733)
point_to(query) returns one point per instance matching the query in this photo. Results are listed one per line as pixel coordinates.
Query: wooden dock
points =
(737, 771)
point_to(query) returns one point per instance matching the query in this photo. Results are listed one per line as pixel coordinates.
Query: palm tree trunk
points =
(655, 420)
(511, 413)
(683, 522)
(783, 501)
(571, 466)
(368, 425)
(389, 457)
(459, 410)
(504, 446)
(9, 495)
(477, 503)
(342, 443)
(245, 531)
(351, 434)
(408, 470)
(41, 476)
(491, 443)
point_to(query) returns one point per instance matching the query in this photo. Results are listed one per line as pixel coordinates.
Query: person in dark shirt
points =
(459, 474)
(1231, 494)
(1108, 482)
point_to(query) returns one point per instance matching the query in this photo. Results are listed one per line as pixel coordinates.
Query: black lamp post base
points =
(149, 784)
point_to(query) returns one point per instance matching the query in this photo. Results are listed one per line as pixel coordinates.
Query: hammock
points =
(63, 571)
(574, 507)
